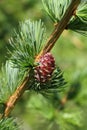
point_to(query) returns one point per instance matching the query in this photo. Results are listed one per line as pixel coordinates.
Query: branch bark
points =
(49, 45)
(15, 97)
(59, 28)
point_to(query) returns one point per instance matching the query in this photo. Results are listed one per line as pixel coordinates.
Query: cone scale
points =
(45, 68)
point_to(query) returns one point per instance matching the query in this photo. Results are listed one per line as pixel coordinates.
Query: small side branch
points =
(50, 43)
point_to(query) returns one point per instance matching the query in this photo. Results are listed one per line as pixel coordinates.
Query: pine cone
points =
(45, 68)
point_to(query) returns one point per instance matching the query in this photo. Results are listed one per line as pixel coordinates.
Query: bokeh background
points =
(70, 53)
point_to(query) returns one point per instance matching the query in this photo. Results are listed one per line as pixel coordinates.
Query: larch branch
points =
(49, 45)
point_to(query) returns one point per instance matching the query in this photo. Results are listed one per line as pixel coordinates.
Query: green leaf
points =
(56, 8)
(10, 78)
(8, 124)
(36, 104)
(78, 23)
(55, 84)
(69, 118)
(72, 115)
(26, 44)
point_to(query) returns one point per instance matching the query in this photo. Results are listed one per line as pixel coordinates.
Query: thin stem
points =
(59, 28)
(15, 97)
(50, 43)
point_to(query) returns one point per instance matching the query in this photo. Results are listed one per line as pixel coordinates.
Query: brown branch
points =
(50, 43)
(15, 97)
(59, 28)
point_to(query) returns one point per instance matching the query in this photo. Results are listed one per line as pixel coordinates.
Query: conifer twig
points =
(50, 43)
(15, 97)
(59, 28)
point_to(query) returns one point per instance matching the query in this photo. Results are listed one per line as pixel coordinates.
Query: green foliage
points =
(8, 124)
(81, 97)
(27, 43)
(76, 90)
(10, 78)
(10, 15)
(56, 8)
(55, 84)
(70, 119)
(79, 22)
(53, 118)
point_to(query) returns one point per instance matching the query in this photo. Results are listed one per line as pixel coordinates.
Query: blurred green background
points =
(70, 53)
